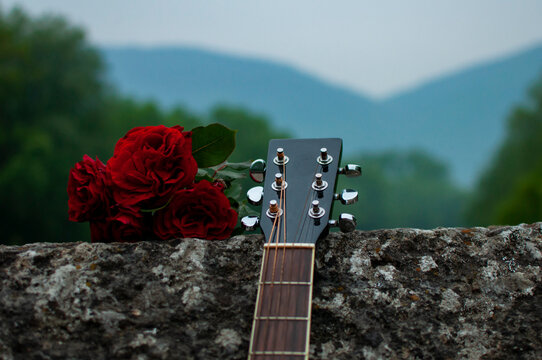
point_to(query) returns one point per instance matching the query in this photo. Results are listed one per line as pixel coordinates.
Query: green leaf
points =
(234, 191)
(245, 210)
(205, 174)
(212, 144)
(239, 166)
(228, 175)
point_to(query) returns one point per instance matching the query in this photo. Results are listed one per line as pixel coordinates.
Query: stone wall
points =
(392, 294)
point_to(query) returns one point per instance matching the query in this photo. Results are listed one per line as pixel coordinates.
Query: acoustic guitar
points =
(297, 194)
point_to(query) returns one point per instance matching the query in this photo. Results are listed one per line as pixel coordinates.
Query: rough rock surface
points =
(392, 294)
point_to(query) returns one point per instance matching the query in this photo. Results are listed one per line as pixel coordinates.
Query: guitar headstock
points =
(298, 190)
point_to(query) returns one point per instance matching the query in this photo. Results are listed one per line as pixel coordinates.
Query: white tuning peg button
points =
(350, 170)
(255, 195)
(347, 197)
(250, 223)
(257, 170)
(346, 223)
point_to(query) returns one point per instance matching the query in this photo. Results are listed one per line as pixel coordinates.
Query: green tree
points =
(50, 98)
(510, 191)
(254, 131)
(403, 189)
(253, 134)
(55, 106)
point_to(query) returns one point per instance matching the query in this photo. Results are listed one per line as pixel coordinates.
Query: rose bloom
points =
(149, 164)
(87, 198)
(126, 225)
(202, 211)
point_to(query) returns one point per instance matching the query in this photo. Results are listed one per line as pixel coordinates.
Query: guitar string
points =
(281, 279)
(303, 221)
(281, 222)
(259, 306)
(307, 230)
(311, 280)
(283, 207)
(283, 237)
(284, 226)
(303, 218)
(277, 238)
(276, 226)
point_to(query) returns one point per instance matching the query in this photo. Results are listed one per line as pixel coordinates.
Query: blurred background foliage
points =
(55, 106)
(510, 191)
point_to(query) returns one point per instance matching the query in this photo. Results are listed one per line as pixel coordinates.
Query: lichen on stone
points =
(387, 294)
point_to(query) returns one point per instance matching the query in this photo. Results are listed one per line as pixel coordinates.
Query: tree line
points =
(56, 105)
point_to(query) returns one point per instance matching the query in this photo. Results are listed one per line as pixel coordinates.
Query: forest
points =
(57, 105)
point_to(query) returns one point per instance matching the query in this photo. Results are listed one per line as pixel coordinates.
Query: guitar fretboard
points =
(281, 325)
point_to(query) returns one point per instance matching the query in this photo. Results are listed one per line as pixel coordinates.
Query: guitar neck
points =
(281, 325)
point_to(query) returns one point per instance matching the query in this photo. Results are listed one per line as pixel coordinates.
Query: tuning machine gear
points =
(279, 183)
(257, 170)
(350, 170)
(274, 210)
(255, 195)
(281, 159)
(316, 211)
(346, 223)
(347, 197)
(324, 158)
(319, 184)
(250, 223)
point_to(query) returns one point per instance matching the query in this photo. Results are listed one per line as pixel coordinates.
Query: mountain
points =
(200, 79)
(458, 117)
(461, 117)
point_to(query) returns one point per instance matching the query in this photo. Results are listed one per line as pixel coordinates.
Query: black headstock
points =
(299, 189)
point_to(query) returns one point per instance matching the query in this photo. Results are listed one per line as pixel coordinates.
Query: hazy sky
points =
(376, 47)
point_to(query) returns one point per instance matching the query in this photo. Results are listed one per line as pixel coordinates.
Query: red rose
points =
(202, 211)
(100, 231)
(149, 164)
(126, 225)
(87, 198)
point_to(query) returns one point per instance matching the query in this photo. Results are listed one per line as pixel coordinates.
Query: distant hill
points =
(459, 117)
(200, 79)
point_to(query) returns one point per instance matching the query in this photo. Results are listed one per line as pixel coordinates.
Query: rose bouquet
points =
(161, 183)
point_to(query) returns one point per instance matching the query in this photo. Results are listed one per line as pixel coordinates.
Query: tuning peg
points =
(257, 170)
(255, 195)
(347, 197)
(250, 223)
(350, 170)
(347, 222)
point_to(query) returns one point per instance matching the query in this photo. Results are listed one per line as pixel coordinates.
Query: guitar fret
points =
(285, 283)
(305, 318)
(288, 245)
(282, 315)
(293, 353)
(281, 322)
